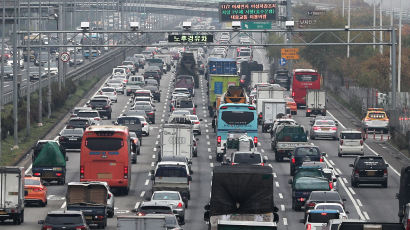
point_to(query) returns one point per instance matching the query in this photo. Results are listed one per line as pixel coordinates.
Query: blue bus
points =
(233, 118)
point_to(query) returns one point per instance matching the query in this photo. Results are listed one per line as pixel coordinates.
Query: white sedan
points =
(145, 125)
(110, 92)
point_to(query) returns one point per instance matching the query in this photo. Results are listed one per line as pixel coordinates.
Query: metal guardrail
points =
(76, 74)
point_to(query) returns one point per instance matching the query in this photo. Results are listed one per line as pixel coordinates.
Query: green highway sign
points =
(256, 25)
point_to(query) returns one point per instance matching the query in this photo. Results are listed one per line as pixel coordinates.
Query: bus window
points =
(104, 144)
(306, 77)
(237, 117)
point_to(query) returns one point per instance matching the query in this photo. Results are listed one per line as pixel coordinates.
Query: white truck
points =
(134, 83)
(12, 194)
(272, 92)
(176, 140)
(270, 108)
(315, 102)
(150, 222)
(259, 77)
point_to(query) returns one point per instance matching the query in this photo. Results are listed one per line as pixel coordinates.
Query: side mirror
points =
(197, 139)
(387, 165)
(337, 176)
(397, 195)
(344, 199)
(113, 122)
(189, 178)
(152, 177)
(201, 119)
(264, 161)
(275, 217)
(213, 123)
(190, 162)
(323, 154)
(40, 222)
(206, 216)
(351, 165)
(175, 212)
(66, 158)
(347, 212)
(290, 181)
(152, 172)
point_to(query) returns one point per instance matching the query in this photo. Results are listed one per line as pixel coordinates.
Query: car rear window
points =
(143, 94)
(322, 196)
(31, 182)
(66, 219)
(372, 162)
(88, 114)
(171, 171)
(166, 196)
(322, 217)
(245, 158)
(237, 117)
(143, 107)
(156, 210)
(72, 131)
(185, 104)
(142, 99)
(377, 115)
(107, 90)
(98, 102)
(299, 152)
(306, 183)
(355, 136)
(129, 121)
(330, 207)
(325, 123)
(77, 123)
(104, 144)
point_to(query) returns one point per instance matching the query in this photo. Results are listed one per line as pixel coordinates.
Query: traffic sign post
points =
(65, 57)
(290, 53)
(282, 61)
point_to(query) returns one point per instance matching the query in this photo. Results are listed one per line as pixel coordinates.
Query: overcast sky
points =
(395, 3)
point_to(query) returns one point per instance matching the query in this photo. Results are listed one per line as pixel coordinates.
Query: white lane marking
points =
(152, 164)
(137, 205)
(359, 202)
(280, 195)
(158, 136)
(282, 207)
(265, 157)
(366, 215)
(345, 180)
(208, 143)
(153, 156)
(207, 136)
(155, 149)
(262, 150)
(206, 126)
(203, 107)
(146, 182)
(274, 175)
(64, 204)
(28, 169)
(285, 221)
(366, 145)
(156, 142)
(142, 194)
(211, 165)
(351, 190)
(338, 171)
(123, 111)
(206, 120)
(277, 184)
(210, 157)
(331, 162)
(207, 131)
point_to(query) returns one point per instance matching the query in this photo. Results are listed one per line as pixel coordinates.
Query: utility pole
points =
(348, 32)
(343, 8)
(374, 23)
(394, 69)
(49, 86)
(40, 90)
(28, 96)
(381, 26)
(399, 61)
(15, 98)
(3, 34)
(60, 38)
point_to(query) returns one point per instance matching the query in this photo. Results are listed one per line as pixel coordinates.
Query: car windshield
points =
(322, 217)
(171, 171)
(357, 136)
(371, 162)
(247, 158)
(72, 132)
(66, 219)
(306, 151)
(31, 182)
(165, 196)
(308, 183)
(330, 207)
(88, 114)
(324, 123)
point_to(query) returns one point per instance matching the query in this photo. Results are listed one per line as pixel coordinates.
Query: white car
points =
(317, 219)
(99, 96)
(181, 91)
(145, 125)
(94, 115)
(110, 92)
(196, 123)
(333, 206)
(350, 142)
(121, 77)
(117, 84)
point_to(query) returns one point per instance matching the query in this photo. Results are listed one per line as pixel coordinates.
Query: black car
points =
(71, 138)
(282, 78)
(78, 122)
(302, 186)
(156, 93)
(317, 197)
(67, 220)
(152, 75)
(103, 106)
(149, 111)
(369, 170)
(304, 153)
(132, 122)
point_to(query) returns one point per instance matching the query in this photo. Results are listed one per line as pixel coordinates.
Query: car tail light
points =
(99, 217)
(194, 111)
(301, 199)
(194, 143)
(115, 93)
(140, 214)
(315, 128)
(308, 110)
(46, 227)
(37, 174)
(80, 227)
(61, 138)
(341, 142)
(125, 172)
(361, 142)
(251, 108)
(331, 185)
(260, 115)
(151, 113)
(96, 118)
(356, 172)
(106, 107)
(309, 227)
(135, 141)
(82, 172)
(59, 174)
(321, 159)
(234, 163)
(255, 140)
(179, 205)
(293, 94)
(262, 164)
(367, 119)
(218, 141)
(242, 81)
(408, 224)
(37, 189)
(385, 172)
(293, 161)
(311, 204)
(197, 122)
(334, 128)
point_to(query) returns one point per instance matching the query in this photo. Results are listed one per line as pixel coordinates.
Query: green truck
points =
(50, 163)
(217, 85)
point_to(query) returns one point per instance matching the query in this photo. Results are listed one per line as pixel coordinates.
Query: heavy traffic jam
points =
(216, 131)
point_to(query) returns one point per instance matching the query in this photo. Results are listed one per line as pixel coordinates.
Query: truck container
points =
(152, 222)
(91, 199)
(50, 164)
(272, 92)
(185, 81)
(245, 70)
(240, 195)
(286, 139)
(270, 110)
(259, 77)
(12, 194)
(222, 66)
(176, 140)
(404, 192)
(370, 226)
(187, 66)
(218, 84)
(315, 102)
(235, 94)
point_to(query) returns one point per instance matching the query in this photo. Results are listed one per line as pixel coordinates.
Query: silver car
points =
(172, 198)
(324, 129)
(196, 123)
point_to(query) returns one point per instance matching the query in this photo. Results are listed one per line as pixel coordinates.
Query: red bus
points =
(105, 156)
(304, 79)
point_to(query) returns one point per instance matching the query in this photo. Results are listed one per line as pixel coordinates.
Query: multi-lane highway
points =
(368, 203)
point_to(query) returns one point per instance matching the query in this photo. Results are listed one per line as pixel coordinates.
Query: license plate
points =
(371, 173)
(3, 213)
(104, 176)
(88, 217)
(325, 129)
(72, 139)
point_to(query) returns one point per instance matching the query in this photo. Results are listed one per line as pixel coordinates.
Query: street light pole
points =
(28, 96)
(381, 26)
(3, 34)
(374, 23)
(15, 96)
(40, 90)
(399, 61)
(348, 32)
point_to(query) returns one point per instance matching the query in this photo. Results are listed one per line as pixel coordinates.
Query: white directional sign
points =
(65, 57)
